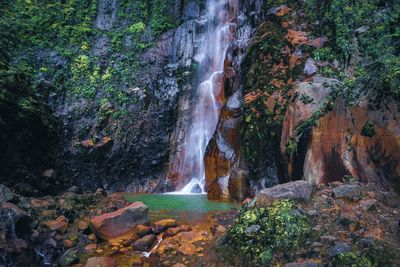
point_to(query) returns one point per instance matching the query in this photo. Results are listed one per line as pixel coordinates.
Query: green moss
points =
(291, 147)
(368, 129)
(280, 230)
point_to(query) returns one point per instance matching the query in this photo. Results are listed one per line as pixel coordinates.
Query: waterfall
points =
(220, 17)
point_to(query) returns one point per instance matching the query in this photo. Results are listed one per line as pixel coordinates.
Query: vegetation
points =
(368, 129)
(262, 234)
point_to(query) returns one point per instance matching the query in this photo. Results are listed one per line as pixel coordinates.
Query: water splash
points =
(147, 254)
(210, 57)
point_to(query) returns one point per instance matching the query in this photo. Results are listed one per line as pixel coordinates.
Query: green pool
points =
(187, 208)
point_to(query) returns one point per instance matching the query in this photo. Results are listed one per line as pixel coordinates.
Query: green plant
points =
(260, 234)
(352, 260)
(291, 147)
(368, 129)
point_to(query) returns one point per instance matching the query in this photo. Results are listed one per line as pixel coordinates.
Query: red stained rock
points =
(163, 225)
(60, 224)
(121, 222)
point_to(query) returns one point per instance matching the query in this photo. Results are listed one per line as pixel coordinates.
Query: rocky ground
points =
(351, 221)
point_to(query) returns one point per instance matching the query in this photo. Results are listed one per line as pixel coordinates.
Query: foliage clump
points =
(368, 129)
(262, 234)
(352, 260)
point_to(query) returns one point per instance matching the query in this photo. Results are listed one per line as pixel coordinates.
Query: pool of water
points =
(190, 209)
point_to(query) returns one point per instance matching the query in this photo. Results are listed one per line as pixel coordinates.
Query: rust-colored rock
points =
(176, 230)
(59, 225)
(145, 242)
(338, 147)
(163, 225)
(112, 225)
(142, 230)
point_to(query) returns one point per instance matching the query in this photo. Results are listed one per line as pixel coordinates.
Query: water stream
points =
(221, 28)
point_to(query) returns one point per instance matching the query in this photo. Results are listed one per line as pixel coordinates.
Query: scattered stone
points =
(221, 229)
(69, 257)
(5, 194)
(187, 249)
(365, 242)
(340, 248)
(347, 191)
(123, 221)
(298, 190)
(278, 11)
(145, 243)
(59, 225)
(101, 262)
(328, 238)
(310, 68)
(142, 230)
(368, 204)
(91, 247)
(163, 225)
(176, 230)
(82, 225)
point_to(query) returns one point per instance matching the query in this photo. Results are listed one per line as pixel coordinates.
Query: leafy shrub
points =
(352, 260)
(368, 129)
(260, 234)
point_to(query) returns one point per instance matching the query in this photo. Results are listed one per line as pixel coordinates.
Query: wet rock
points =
(90, 247)
(310, 68)
(341, 248)
(163, 225)
(69, 258)
(101, 262)
(368, 204)
(123, 221)
(142, 230)
(176, 230)
(5, 194)
(59, 225)
(145, 243)
(347, 191)
(298, 190)
(187, 249)
(196, 189)
(365, 242)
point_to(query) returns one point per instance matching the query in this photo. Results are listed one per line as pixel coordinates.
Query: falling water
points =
(210, 58)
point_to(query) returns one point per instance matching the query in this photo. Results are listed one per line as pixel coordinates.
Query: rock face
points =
(145, 242)
(5, 194)
(298, 190)
(123, 221)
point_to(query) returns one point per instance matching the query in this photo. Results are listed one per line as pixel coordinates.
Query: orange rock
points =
(82, 225)
(115, 224)
(60, 224)
(176, 230)
(187, 249)
(296, 37)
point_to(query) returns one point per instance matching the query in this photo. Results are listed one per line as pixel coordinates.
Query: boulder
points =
(101, 262)
(121, 222)
(310, 68)
(145, 242)
(298, 190)
(163, 225)
(142, 230)
(347, 191)
(5, 194)
(176, 230)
